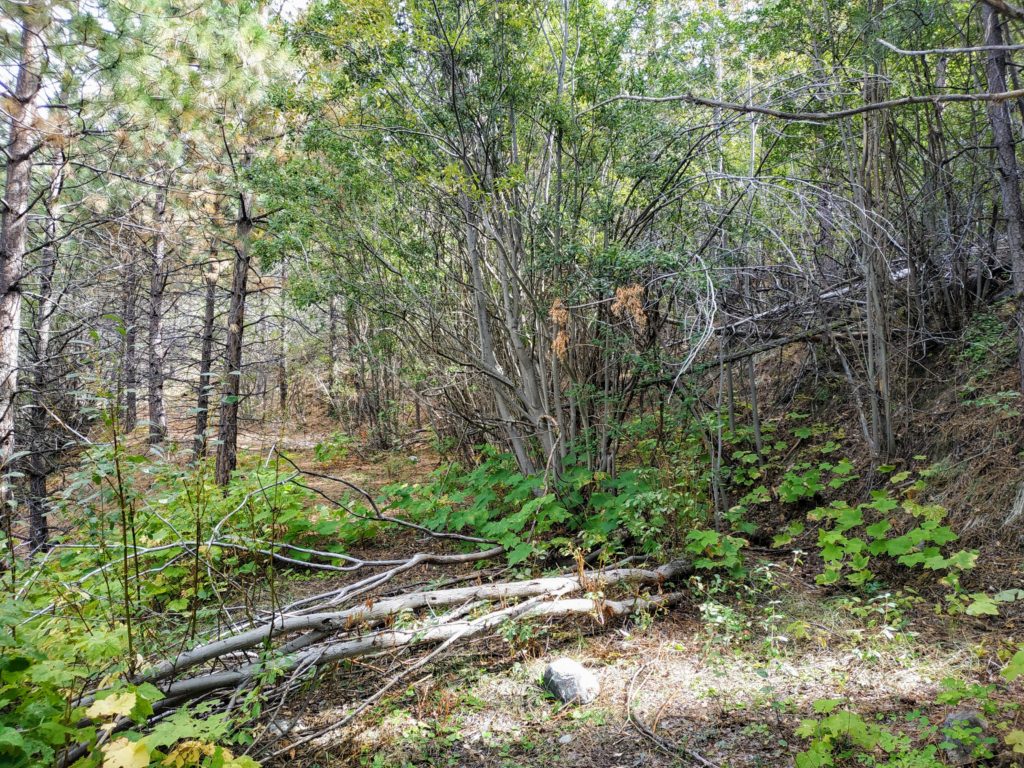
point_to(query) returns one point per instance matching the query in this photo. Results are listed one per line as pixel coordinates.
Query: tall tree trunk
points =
(332, 354)
(21, 147)
(876, 271)
(1009, 182)
(157, 284)
(38, 463)
(205, 366)
(227, 434)
(130, 366)
(487, 356)
(282, 360)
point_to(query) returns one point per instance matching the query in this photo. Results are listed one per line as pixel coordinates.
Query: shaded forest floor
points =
(729, 674)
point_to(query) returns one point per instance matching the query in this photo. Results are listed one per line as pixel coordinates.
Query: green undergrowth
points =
(155, 551)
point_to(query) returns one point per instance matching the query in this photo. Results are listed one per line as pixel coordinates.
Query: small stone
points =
(565, 738)
(284, 727)
(568, 680)
(962, 732)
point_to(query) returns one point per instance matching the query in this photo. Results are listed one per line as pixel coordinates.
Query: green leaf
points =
(829, 576)
(1009, 595)
(899, 546)
(982, 605)
(963, 560)
(879, 529)
(826, 706)
(1015, 668)
(849, 518)
(1015, 739)
(11, 741)
(520, 553)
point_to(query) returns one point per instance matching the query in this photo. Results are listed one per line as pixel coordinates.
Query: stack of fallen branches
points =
(284, 651)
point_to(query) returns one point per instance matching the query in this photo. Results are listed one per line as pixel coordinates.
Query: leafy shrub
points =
(46, 660)
(527, 516)
(840, 734)
(712, 550)
(987, 339)
(155, 547)
(332, 449)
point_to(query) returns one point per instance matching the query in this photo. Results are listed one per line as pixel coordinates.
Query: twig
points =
(644, 730)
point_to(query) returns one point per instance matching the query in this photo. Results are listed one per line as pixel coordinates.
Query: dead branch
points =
(329, 623)
(532, 608)
(818, 117)
(662, 744)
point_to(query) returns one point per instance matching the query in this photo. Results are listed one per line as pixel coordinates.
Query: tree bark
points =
(332, 355)
(157, 284)
(227, 435)
(876, 270)
(282, 361)
(205, 367)
(1009, 182)
(130, 367)
(38, 464)
(21, 147)
(487, 356)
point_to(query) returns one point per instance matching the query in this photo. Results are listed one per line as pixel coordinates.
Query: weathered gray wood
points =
(361, 615)
(391, 639)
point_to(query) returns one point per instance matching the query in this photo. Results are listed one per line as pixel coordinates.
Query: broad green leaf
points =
(520, 553)
(982, 605)
(1015, 668)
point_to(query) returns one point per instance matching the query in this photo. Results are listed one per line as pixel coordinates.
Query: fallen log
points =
(393, 639)
(310, 640)
(359, 616)
(605, 608)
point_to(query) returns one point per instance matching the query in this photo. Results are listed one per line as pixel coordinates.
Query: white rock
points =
(283, 727)
(568, 680)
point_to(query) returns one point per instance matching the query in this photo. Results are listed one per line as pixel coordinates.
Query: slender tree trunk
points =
(875, 269)
(130, 367)
(13, 235)
(282, 360)
(755, 410)
(1009, 182)
(332, 354)
(157, 284)
(487, 356)
(205, 368)
(227, 435)
(38, 463)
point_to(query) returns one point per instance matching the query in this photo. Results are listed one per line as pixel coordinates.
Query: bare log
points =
(534, 610)
(353, 618)
(393, 639)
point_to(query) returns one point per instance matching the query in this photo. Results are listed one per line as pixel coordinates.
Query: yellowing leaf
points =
(1016, 740)
(120, 704)
(189, 753)
(125, 754)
